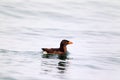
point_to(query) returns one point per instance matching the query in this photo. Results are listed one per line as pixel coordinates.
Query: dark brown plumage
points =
(61, 50)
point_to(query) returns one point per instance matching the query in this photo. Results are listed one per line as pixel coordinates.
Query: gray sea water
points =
(28, 25)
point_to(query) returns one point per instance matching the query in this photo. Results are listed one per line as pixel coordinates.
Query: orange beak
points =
(70, 42)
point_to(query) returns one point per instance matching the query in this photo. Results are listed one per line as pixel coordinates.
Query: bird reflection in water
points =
(52, 61)
(62, 66)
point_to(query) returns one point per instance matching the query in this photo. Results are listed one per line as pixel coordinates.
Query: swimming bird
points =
(61, 50)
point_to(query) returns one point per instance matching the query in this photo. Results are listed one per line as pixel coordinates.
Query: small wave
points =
(5, 51)
(93, 67)
(19, 52)
(101, 33)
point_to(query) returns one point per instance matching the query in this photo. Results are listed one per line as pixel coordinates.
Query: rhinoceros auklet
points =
(61, 50)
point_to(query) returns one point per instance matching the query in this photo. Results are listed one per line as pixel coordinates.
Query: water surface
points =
(28, 25)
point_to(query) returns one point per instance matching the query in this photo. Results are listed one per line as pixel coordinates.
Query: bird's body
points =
(52, 50)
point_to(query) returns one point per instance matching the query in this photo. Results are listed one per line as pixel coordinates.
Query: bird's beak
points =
(70, 42)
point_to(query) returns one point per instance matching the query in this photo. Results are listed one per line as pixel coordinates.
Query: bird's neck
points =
(63, 48)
